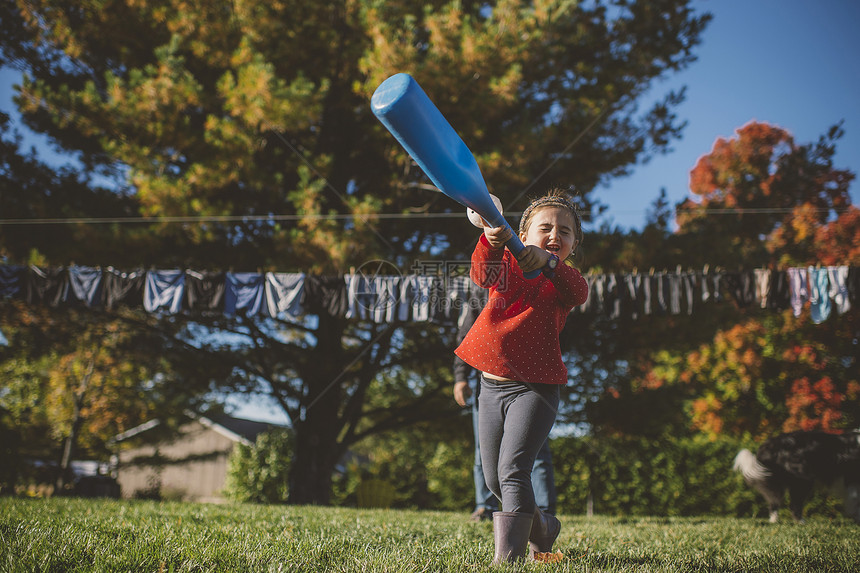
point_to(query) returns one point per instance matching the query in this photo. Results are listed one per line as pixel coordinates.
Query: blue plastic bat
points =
(406, 111)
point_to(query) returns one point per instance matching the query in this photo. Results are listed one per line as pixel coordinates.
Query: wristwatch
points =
(549, 268)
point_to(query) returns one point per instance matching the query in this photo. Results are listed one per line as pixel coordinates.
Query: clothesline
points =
(438, 297)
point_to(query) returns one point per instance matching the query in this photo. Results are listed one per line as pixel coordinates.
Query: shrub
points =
(669, 476)
(260, 473)
(645, 476)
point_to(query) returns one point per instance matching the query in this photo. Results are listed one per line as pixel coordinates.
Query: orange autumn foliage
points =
(762, 198)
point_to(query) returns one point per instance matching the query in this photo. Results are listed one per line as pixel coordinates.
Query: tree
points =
(838, 241)
(30, 189)
(763, 376)
(766, 200)
(762, 197)
(255, 116)
(74, 379)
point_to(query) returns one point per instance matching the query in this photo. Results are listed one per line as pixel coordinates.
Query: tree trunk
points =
(64, 474)
(316, 433)
(314, 459)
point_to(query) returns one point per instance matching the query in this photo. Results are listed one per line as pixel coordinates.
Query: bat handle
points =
(515, 245)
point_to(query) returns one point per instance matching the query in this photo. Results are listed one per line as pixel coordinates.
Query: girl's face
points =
(552, 229)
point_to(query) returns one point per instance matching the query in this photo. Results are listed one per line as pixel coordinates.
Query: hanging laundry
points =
(47, 285)
(204, 290)
(631, 291)
(387, 297)
(436, 298)
(839, 289)
(357, 298)
(284, 293)
(594, 302)
(779, 291)
(457, 300)
(425, 295)
(704, 281)
(741, 287)
(660, 289)
(647, 295)
(712, 286)
(762, 286)
(819, 294)
(13, 281)
(612, 296)
(325, 295)
(799, 285)
(372, 297)
(675, 291)
(404, 300)
(123, 288)
(86, 285)
(688, 283)
(852, 285)
(245, 292)
(164, 290)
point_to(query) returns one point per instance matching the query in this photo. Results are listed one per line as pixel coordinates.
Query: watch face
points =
(553, 262)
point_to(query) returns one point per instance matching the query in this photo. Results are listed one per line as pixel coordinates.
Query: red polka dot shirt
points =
(516, 336)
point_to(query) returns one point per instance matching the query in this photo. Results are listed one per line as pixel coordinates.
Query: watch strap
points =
(549, 268)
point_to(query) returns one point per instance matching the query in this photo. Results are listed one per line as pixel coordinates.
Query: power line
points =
(346, 217)
(223, 218)
(755, 210)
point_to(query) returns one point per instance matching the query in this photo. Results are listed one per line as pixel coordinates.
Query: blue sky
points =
(790, 63)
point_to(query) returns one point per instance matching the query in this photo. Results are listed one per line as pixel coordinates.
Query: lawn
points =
(143, 536)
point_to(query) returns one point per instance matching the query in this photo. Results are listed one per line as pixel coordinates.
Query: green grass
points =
(106, 535)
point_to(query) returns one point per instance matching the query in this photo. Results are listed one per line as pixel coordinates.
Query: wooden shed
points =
(189, 464)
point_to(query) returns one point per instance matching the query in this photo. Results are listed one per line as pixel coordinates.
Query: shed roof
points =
(237, 429)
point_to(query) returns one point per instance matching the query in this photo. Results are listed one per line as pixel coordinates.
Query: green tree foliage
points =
(254, 115)
(75, 378)
(260, 473)
(427, 465)
(29, 189)
(260, 109)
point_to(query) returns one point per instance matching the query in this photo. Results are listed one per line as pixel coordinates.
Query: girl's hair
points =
(555, 197)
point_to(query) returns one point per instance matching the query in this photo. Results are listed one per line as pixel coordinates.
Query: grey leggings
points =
(514, 420)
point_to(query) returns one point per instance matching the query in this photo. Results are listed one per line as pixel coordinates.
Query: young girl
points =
(515, 344)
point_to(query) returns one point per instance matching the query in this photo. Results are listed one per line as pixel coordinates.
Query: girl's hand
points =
(497, 236)
(532, 257)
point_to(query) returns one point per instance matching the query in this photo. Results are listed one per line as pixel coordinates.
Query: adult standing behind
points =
(465, 378)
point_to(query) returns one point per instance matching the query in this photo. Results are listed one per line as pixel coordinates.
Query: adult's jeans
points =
(484, 498)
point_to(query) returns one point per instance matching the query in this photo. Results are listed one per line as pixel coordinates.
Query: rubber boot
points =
(511, 533)
(545, 529)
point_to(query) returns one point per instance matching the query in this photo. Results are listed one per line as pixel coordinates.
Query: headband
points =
(551, 201)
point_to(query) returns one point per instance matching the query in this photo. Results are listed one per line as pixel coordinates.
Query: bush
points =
(260, 473)
(428, 469)
(451, 480)
(643, 476)
(669, 476)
